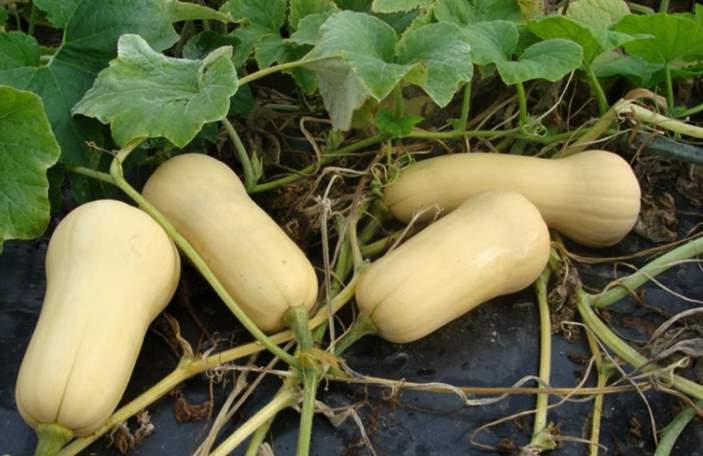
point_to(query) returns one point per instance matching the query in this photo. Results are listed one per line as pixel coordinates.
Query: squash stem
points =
(363, 326)
(297, 320)
(51, 438)
(398, 101)
(283, 399)
(598, 89)
(672, 430)
(249, 174)
(629, 354)
(624, 286)
(282, 67)
(669, 87)
(522, 103)
(591, 134)
(541, 435)
(307, 413)
(258, 438)
(604, 373)
(465, 106)
(626, 107)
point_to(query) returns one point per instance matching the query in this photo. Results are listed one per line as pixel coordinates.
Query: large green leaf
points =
(637, 70)
(550, 60)
(27, 149)
(442, 57)
(492, 41)
(308, 31)
(464, 12)
(597, 14)
(300, 9)
(396, 6)
(368, 45)
(342, 91)
(57, 11)
(144, 94)
(673, 37)
(17, 49)
(89, 42)
(593, 41)
(260, 23)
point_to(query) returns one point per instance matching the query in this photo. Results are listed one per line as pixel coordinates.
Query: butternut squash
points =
(494, 244)
(258, 264)
(110, 270)
(592, 197)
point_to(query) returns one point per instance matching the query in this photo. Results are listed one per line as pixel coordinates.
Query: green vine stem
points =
(591, 134)
(188, 368)
(249, 174)
(669, 86)
(629, 354)
(285, 398)
(672, 430)
(281, 67)
(598, 89)
(624, 286)
(626, 107)
(522, 103)
(32, 20)
(258, 438)
(541, 435)
(664, 6)
(398, 101)
(297, 320)
(195, 258)
(326, 158)
(465, 106)
(51, 438)
(604, 373)
(363, 326)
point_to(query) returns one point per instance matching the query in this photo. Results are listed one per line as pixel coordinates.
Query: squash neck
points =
(51, 438)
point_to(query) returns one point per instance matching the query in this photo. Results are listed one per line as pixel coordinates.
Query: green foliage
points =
(17, 49)
(396, 127)
(27, 150)
(465, 12)
(673, 37)
(144, 94)
(395, 6)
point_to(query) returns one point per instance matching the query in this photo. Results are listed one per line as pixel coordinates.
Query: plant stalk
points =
(672, 430)
(522, 103)
(465, 106)
(643, 275)
(283, 399)
(258, 438)
(281, 67)
(249, 175)
(598, 89)
(51, 438)
(545, 356)
(669, 87)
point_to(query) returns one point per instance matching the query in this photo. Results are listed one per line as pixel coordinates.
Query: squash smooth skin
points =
(494, 244)
(592, 197)
(110, 270)
(258, 264)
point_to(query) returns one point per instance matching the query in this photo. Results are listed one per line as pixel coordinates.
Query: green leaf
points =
(360, 6)
(301, 9)
(260, 26)
(597, 14)
(17, 49)
(89, 42)
(57, 11)
(269, 14)
(270, 48)
(341, 90)
(3, 18)
(492, 41)
(464, 12)
(304, 77)
(203, 43)
(443, 58)
(674, 37)
(397, 6)
(368, 45)
(309, 29)
(395, 127)
(593, 42)
(144, 94)
(183, 11)
(27, 149)
(550, 60)
(639, 71)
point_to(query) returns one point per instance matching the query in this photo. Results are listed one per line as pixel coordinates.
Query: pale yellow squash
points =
(259, 265)
(110, 270)
(592, 197)
(494, 244)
